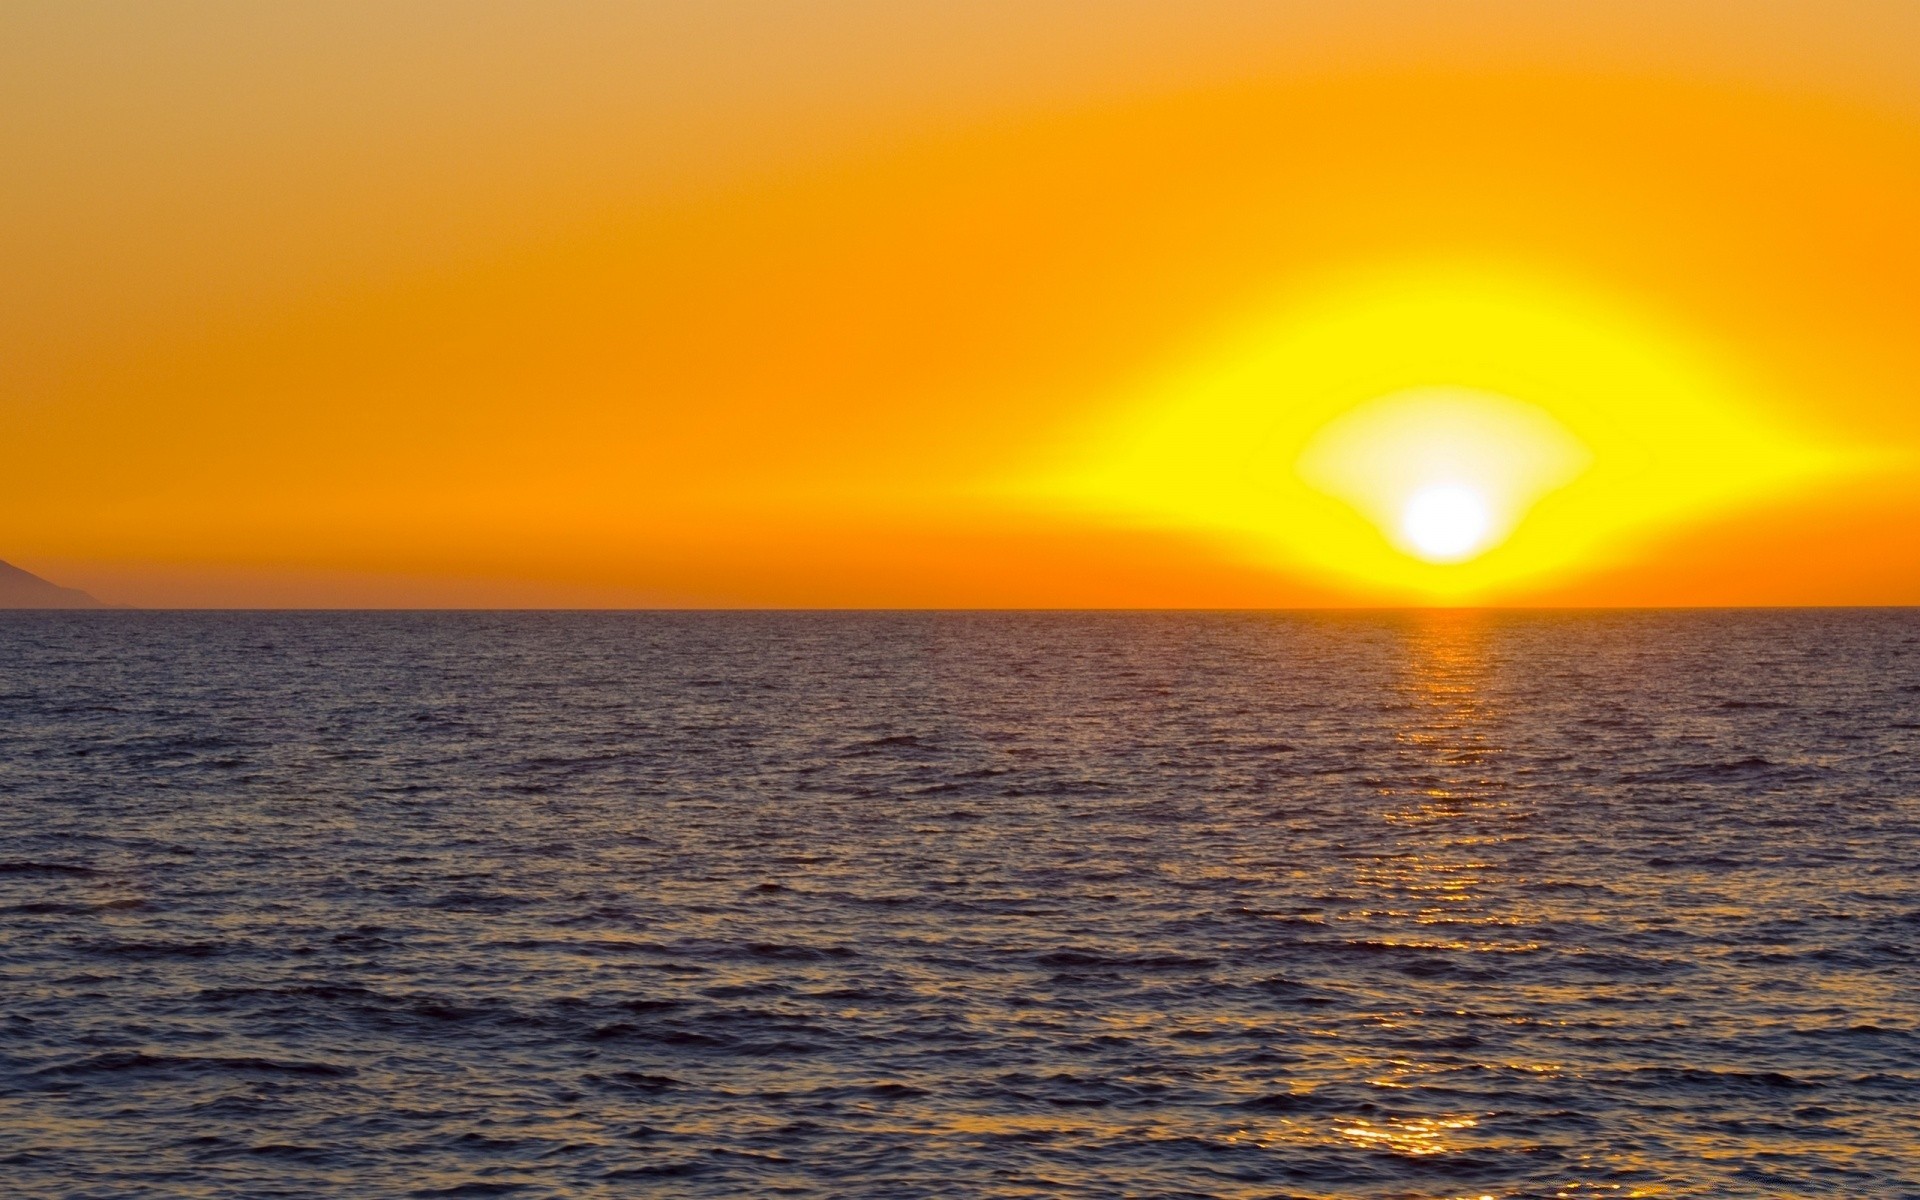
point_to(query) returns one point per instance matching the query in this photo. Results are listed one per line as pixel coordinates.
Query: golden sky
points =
(1035, 303)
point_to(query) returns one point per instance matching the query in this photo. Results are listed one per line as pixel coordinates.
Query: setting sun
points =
(1445, 473)
(1446, 522)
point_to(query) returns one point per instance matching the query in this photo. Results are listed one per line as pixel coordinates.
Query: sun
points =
(1446, 522)
(1445, 473)
(1437, 434)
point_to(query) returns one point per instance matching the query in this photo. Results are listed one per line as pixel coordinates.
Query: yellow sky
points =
(1034, 303)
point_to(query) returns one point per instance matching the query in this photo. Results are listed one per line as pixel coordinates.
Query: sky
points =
(1086, 303)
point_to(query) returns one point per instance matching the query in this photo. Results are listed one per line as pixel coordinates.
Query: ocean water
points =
(960, 905)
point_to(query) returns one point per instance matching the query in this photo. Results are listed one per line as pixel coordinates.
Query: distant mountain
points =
(22, 589)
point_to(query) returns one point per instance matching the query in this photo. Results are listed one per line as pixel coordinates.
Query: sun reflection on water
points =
(1418, 1136)
(1426, 887)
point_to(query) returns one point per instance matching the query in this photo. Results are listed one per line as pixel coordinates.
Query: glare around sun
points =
(1448, 434)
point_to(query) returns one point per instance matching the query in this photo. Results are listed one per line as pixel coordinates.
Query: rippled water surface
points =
(1449, 905)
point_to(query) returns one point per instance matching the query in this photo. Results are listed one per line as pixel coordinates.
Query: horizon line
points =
(826, 610)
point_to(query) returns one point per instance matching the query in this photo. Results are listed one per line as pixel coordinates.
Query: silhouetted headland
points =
(24, 589)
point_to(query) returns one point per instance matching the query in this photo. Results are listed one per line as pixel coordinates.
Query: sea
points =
(1442, 905)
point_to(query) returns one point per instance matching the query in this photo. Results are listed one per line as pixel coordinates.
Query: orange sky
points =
(718, 303)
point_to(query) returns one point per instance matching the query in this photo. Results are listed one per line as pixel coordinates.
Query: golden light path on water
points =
(1448, 806)
(1430, 886)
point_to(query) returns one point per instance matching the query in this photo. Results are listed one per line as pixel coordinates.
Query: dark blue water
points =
(1447, 905)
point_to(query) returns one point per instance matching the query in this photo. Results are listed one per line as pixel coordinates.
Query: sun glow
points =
(1446, 473)
(1446, 435)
